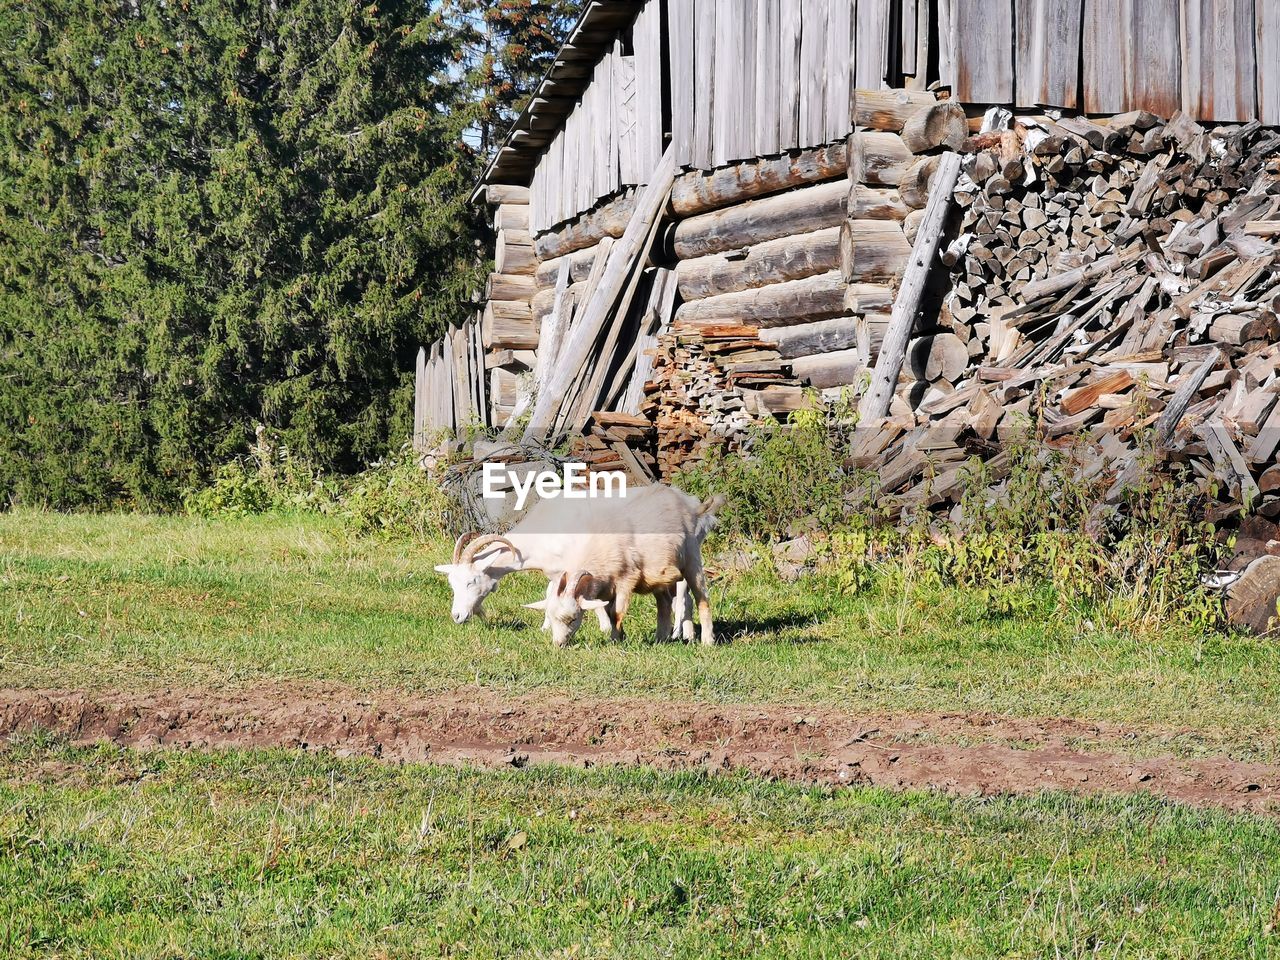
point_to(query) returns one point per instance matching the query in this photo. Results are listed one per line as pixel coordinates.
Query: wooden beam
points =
(884, 378)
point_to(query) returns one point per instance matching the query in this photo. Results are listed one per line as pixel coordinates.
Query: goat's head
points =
(475, 570)
(567, 596)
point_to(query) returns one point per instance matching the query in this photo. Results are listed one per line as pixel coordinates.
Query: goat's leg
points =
(698, 587)
(683, 611)
(605, 619)
(621, 602)
(663, 599)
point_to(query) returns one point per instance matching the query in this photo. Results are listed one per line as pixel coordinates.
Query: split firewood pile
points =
(1107, 279)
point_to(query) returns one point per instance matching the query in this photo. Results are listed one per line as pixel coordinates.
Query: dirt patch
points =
(798, 744)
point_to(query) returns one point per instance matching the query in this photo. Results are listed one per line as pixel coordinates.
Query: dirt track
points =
(804, 745)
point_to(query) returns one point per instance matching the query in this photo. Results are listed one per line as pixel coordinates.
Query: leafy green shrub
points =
(794, 477)
(397, 497)
(271, 479)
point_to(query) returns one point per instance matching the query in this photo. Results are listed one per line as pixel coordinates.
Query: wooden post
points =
(625, 257)
(875, 402)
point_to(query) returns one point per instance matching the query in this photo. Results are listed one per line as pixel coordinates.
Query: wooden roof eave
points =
(557, 93)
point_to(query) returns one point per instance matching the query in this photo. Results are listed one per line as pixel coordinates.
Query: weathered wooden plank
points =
(698, 192)
(768, 77)
(649, 81)
(725, 117)
(628, 158)
(813, 47)
(680, 33)
(875, 402)
(871, 44)
(1047, 51)
(1219, 72)
(1131, 57)
(797, 211)
(982, 46)
(839, 71)
(787, 258)
(704, 70)
(789, 75)
(943, 31)
(1268, 61)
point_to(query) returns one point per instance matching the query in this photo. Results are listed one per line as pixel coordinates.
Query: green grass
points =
(141, 601)
(112, 853)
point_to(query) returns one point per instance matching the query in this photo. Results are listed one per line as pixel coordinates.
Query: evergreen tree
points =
(215, 214)
(506, 47)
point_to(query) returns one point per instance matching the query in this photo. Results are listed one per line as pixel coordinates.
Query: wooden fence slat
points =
(649, 66)
(788, 75)
(1268, 57)
(1217, 56)
(871, 44)
(982, 47)
(837, 120)
(681, 34)
(1047, 51)
(768, 78)
(813, 46)
(704, 70)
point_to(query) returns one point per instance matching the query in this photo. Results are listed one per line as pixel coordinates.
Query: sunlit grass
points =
(113, 853)
(133, 601)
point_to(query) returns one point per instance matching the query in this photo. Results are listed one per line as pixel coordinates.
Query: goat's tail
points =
(707, 514)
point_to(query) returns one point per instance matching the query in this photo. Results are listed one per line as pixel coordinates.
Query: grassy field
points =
(110, 853)
(142, 601)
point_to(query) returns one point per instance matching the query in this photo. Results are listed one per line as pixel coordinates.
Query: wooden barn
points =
(710, 208)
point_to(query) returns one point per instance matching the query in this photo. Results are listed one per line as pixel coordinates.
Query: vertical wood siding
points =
(753, 78)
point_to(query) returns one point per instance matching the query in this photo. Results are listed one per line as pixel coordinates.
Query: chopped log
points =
(888, 109)
(607, 220)
(878, 158)
(698, 192)
(1087, 396)
(941, 125)
(506, 286)
(838, 368)
(513, 254)
(799, 211)
(1188, 387)
(942, 356)
(1251, 601)
(774, 261)
(505, 193)
(875, 203)
(872, 250)
(511, 217)
(875, 402)
(508, 324)
(820, 336)
(914, 185)
(812, 298)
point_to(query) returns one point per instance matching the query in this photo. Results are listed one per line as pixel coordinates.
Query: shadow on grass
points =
(766, 629)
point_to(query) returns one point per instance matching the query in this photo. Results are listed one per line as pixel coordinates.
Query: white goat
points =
(545, 540)
(658, 554)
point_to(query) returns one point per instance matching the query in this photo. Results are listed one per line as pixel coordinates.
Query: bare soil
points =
(986, 754)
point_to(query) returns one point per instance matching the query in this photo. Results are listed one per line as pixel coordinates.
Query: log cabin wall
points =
(776, 221)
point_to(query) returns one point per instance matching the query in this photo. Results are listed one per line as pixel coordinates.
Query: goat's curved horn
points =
(479, 543)
(462, 542)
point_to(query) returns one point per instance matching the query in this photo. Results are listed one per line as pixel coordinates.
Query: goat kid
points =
(480, 561)
(610, 570)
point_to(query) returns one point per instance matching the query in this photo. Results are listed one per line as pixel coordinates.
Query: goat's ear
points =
(537, 605)
(593, 604)
(445, 568)
(587, 587)
(562, 584)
